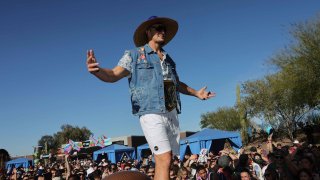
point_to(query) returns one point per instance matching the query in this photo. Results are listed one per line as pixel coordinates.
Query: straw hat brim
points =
(140, 37)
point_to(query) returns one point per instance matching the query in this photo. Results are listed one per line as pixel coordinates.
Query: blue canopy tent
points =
(140, 150)
(209, 138)
(115, 152)
(23, 162)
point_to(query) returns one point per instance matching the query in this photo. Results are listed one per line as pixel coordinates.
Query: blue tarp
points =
(140, 148)
(115, 152)
(205, 139)
(24, 162)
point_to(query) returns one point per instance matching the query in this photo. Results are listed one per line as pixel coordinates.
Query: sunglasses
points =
(158, 27)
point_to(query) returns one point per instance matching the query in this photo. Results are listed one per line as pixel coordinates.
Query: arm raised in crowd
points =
(270, 143)
(188, 163)
(68, 173)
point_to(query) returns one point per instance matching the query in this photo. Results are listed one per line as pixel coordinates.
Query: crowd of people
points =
(296, 161)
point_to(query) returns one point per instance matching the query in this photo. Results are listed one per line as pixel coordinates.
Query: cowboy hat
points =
(140, 37)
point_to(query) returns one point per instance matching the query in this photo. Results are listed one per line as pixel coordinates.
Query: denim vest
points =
(146, 82)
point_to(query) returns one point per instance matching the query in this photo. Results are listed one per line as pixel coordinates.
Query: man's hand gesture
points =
(92, 65)
(204, 95)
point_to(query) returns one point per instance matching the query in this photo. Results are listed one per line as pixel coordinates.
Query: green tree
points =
(242, 118)
(226, 118)
(301, 61)
(293, 91)
(70, 132)
(67, 132)
(49, 141)
(277, 101)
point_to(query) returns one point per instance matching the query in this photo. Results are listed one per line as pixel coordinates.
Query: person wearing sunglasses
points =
(155, 88)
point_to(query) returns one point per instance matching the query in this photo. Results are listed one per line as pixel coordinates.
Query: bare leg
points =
(162, 162)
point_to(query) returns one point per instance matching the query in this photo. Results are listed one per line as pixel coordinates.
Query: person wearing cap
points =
(154, 87)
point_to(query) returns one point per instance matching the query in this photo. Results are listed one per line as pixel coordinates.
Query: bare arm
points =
(111, 75)
(201, 94)
(104, 74)
(186, 164)
(14, 174)
(269, 143)
(233, 157)
(68, 173)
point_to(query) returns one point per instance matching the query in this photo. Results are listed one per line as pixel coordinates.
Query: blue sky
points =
(45, 83)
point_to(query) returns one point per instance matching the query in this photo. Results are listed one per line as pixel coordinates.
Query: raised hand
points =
(92, 65)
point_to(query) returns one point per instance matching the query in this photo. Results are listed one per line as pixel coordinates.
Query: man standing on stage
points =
(154, 86)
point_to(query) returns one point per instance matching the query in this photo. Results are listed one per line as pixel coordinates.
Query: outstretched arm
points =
(104, 74)
(201, 94)
(68, 173)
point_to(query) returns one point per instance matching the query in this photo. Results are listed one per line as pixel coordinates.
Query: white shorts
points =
(162, 132)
